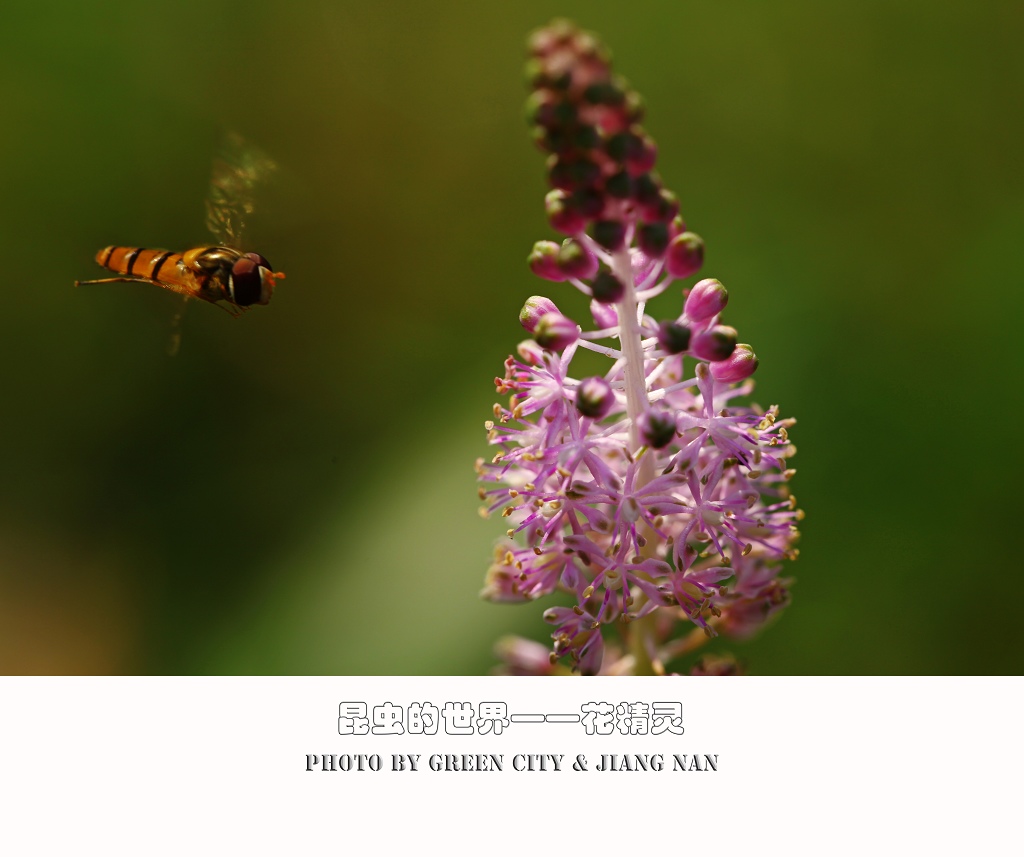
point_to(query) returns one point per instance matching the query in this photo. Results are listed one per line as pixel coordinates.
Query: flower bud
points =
(533, 310)
(545, 108)
(532, 353)
(605, 315)
(607, 288)
(715, 343)
(662, 209)
(575, 260)
(673, 337)
(653, 239)
(563, 213)
(609, 233)
(646, 189)
(685, 255)
(742, 363)
(543, 261)
(589, 202)
(706, 299)
(555, 331)
(641, 155)
(572, 174)
(594, 398)
(657, 426)
(619, 146)
(641, 264)
(619, 185)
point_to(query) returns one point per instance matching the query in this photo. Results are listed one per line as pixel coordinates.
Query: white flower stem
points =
(639, 631)
(631, 341)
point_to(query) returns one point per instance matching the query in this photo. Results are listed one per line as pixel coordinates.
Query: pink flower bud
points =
(531, 352)
(714, 344)
(742, 363)
(594, 398)
(575, 260)
(562, 213)
(605, 315)
(533, 310)
(685, 255)
(555, 331)
(706, 299)
(543, 261)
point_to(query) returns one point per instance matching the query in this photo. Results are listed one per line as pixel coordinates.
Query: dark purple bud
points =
(554, 331)
(706, 299)
(573, 174)
(741, 364)
(560, 174)
(640, 158)
(604, 92)
(575, 260)
(534, 310)
(653, 239)
(607, 288)
(685, 255)
(585, 137)
(646, 189)
(657, 426)
(563, 213)
(619, 185)
(673, 337)
(543, 261)
(610, 234)
(663, 208)
(715, 343)
(589, 202)
(546, 109)
(618, 146)
(595, 398)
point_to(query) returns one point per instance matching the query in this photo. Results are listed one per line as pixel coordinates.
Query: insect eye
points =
(259, 260)
(246, 282)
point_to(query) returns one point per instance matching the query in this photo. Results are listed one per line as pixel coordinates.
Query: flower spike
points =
(652, 495)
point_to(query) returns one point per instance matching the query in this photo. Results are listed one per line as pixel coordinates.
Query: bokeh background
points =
(294, 493)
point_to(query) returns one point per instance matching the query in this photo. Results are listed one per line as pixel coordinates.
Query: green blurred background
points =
(294, 493)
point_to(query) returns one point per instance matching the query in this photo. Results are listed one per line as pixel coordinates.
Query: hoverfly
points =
(220, 274)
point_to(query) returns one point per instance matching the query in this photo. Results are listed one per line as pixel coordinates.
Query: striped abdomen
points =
(160, 265)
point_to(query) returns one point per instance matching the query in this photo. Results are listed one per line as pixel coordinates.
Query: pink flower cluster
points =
(651, 496)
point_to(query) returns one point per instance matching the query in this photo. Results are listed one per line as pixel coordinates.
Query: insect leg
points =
(117, 280)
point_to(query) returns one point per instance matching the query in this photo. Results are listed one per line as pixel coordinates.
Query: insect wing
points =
(237, 170)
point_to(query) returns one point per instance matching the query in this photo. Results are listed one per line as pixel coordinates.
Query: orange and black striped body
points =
(168, 269)
(211, 273)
